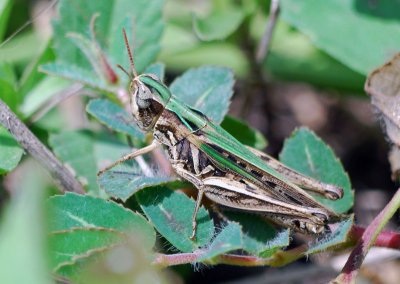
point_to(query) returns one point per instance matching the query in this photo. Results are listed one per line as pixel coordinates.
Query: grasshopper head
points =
(149, 96)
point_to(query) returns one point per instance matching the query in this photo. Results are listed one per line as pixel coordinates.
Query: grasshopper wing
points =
(229, 155)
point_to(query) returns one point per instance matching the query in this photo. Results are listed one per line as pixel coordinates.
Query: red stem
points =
(372, 235)
(387, 239)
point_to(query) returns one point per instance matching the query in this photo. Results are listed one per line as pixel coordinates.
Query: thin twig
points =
(62, 177)
(370, 236)
(263, 47)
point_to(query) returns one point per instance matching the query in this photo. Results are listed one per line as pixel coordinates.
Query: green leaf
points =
(10, 151)
(31, 75)
(41, 93)
(52, 121)
(7, 74)
(71, 211)
(157, 69)
(87, 152)
(244, 133)
(114, 117)
(123, 181)
(124, 263)
(363, 38)
(83, 226)
(259, 237)
(23, 255)
(338, 236)
(5, 9)
(91, 51)
(293, 57)
(143, 21)
(207, 89)
(69, 247)
(182, 50)
(171, 213)
(75, 73)
(8, 90)
(219, 24)
(176, 39)
(108, 148)
(134, 16)
(229, 239)
(16, 51)
(76, 148)
(308, 154)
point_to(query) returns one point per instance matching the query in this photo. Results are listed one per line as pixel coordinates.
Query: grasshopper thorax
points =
(148, 96)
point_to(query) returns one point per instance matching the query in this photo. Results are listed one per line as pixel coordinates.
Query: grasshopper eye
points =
(144, 98)
(145, 105)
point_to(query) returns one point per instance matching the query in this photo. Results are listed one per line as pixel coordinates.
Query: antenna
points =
(123, 70)
(135, 74)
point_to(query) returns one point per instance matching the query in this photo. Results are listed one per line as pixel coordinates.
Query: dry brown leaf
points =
(383, 85)
(394, 160)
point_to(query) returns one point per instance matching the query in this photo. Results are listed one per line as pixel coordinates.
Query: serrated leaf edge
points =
(139, 188)
(88, 253)
(327, 238)
(135, 213)
(304, 128)
(204, 250)
(231, 79)
(139, 137)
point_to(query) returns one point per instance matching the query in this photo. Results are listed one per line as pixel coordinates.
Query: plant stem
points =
(165, 260)
(265, 42)
(386, 239)
(368, 238)
(281, 258)
(62, 177)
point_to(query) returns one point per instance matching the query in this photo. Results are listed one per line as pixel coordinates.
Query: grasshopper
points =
(220, 167)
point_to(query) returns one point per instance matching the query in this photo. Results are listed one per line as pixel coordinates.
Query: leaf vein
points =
(80, 221)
